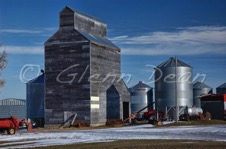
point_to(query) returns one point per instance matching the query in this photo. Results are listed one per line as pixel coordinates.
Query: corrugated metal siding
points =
(179, 86)
(214, 107)
(13, 107)
(9, 110)
(35, 100)
(12, 101)
(215, 104)
(199, 89)
(141, 96)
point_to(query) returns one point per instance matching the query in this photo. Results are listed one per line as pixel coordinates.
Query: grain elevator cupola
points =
(83, 72)
(82, 22)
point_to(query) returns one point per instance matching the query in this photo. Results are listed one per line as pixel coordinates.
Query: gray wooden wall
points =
(70, 55)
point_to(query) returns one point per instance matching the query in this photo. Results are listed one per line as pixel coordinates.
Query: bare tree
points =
(3, 62)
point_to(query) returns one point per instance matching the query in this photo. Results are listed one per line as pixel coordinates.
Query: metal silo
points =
(141, 96)
(221, 89)
(173, 87)
(35, 100)
(199, 89)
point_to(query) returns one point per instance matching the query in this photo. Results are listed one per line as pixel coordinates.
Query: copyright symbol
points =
(29, 72)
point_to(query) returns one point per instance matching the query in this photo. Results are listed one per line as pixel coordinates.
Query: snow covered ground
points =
(25, 140)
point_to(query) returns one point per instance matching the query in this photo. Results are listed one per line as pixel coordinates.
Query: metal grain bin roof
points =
(200, 85)
(222, 86)
(173, 62)
(39, 79)
(140, 85)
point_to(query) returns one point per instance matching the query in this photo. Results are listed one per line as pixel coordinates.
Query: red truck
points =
(12, 124)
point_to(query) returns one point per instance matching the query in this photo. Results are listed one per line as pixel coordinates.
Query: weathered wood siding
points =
(67, 70)
(81, 73)
(106, 72)
(89, 25)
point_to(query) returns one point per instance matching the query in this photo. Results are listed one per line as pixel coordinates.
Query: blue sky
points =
(148, 32)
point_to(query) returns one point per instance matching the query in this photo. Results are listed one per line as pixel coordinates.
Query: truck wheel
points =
(11, 131)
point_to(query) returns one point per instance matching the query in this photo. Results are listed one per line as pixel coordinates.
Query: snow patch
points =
(27, 140)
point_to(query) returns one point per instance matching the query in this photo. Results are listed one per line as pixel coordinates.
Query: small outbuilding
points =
(215, 104)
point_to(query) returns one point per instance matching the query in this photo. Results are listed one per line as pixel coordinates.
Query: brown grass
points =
(144, 144)
(198, 122)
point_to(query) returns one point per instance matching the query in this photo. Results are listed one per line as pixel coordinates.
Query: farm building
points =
(13, 107)
(221, 89)
(215, 104)
(83, 72)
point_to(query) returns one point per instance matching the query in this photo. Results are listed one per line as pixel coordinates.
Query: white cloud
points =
(174, 50)
(119, 37)
(24, 49)
(19, 31)
(27, 31)
(182, 41)
(51, 28)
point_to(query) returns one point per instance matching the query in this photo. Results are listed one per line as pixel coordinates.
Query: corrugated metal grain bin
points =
(13, 107)
(173, 86)
(141, 96)
(221, 89)
(35, 100)
(199, 89)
